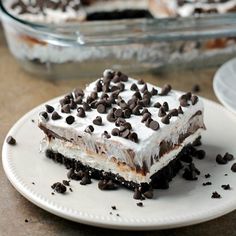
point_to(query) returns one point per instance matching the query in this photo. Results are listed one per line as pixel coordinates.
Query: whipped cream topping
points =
(118, 147)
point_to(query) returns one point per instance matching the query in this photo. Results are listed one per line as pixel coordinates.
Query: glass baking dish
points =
(72, 50)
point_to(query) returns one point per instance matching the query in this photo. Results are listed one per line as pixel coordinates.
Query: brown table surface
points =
(20, 92)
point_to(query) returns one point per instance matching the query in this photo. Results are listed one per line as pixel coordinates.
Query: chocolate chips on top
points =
(165, 90)
(89, 129)
(98, 121)
(81, 112)
(70, 120)
(56, 116)
(49, 108)
(11, 141)
(44, 116)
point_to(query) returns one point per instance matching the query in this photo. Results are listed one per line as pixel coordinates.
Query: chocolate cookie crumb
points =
(140, 204)
(207, 176)
(226, 174)
(59, 187)
(228, 156)
(11, 140)
(26, 221)
(32, 121)
(226, 186)
(33, 183)
(207, 183)
(117, 214)
(137, 194)
(113, 208)
(233, 167)
(215, 195)
(220, 160)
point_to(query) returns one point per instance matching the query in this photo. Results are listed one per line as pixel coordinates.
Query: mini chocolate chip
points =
(81, 112)
(148, 194)
(86, 180)
(44, 116)
(148, 121)
(98, 121)
(165, 106)
(127, 125)
(94, 95)
(157, 105)
(165, 90)
(66, 182)
(136, 111)
(154, 125)
(106, 134)
(188, 95)
(120, 121)
(154, 91)
(79, 100)
(215, 195)
(173, 112)
(114, 88)
(133, 137)
(144, 88)
(220, 160)
(207, 176)
(180, 111)
(89, 99)
(115, 132)
(123, 104)
(183, 103)
(134, 87)
(72, 104)
(10, 140)
(194, 99)
(121, 86)
(113, 207)
(127, 113)
(145, 117)
(125, 133)
(165, 119)
(228, 157)
(226, 186)
(140, 204)
(89, 129)
(55, 116)
(140, 81)
(49, 108)
(145, 110)
(200, 154)
(86, 106)
(195, 88)
(233, 167)
(137, 95)
(66, 108)
(111, 117)
(70, 120)
(78, 92)
(101, 108)
(137, 194)
(59, 187)
(161, 112)
(118, 113)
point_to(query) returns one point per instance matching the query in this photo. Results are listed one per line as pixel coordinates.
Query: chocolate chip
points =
(133, 137)
(144, 88)
(157, 105)
(78, 100)
(134, 87)
(220, 160)
(127, 125)
(121, 87)
(148, 194)
(72, 105)
(120, 121)
(123, 104)
(98, 121)
(154, 125)
(66, 182)
(207, 176)
(215, 195)
(137, 95)
(78, 92)
(49, 108)
(165, 119)
(148, 121)
(81, 112)
(106, 87)
(165, 106)
(89, 129)
(127, 113)
(114, 88)
(89, 99)
(106, 134)
(44, 116)
(154, 91)
(101, 108)
(207, 184)
(86, 180)
(200, 154)
(145, 110)
(233, 167)
(59, 187)
(111, 117)
(136, 111)
(70, 120)
(66, 108)
(118, 113)
(173, 112)
(55, 116)
(228, 156)
(11, 141)
(125, 133)
(140, 204)
(140, 81)
(107, 185)
(165, 90)
(137, 194)
(113, 208)
(115, 132)
(194, 99)
(145, 117)
(226, 186)
(180, 111)
(161, 112)
(195, 88)
(86, 106)
(108, 74)
(98, 87)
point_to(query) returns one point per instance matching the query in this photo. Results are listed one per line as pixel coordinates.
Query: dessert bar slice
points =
(122, 127)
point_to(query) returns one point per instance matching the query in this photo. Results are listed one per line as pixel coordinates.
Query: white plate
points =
(184, 203)
(224, 85)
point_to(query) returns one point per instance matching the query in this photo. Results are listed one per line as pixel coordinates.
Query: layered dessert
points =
(45, 51)
(121, 128)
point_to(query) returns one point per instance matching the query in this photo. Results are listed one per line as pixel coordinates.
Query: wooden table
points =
(20, 92)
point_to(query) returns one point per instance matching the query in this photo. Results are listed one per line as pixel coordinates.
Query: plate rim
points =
(104, 222)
